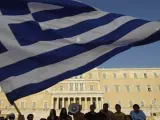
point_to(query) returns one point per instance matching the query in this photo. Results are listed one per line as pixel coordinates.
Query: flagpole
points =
(17, 108)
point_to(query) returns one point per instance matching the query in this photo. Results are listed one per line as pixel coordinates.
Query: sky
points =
(147, 56)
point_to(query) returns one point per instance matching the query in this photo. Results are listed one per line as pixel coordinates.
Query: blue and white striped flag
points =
(44, 42)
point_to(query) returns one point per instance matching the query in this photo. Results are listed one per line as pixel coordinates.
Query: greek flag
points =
(44, 42)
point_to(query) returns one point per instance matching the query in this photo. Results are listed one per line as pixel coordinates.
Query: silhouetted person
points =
(137, 114)
(92, 115)
(118, 115)
(108, 114)
(79, 115)
(1, 118)
(101, 116)
(52, 115)
(128, 117)
(11, 116)
(64, 115)
(43, 119)
(30, 117)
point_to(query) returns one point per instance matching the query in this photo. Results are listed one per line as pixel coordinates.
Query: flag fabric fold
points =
(44, 42)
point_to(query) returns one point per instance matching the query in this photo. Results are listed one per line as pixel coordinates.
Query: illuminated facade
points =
(122, 86)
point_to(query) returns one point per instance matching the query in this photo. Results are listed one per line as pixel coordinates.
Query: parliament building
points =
(124, 86)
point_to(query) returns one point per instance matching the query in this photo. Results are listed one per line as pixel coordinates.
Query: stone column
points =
(102, 100)
(73, 87)
(57, 103)
(97, 103)
(69, 101)
(91, 100)
(80, 101)
(53, 103)
(74, 100)
(63, 102)
(85, 103)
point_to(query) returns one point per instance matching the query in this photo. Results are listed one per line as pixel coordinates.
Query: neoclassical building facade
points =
(125, 86)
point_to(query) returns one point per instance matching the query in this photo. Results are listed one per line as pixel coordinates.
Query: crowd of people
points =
(104, 114)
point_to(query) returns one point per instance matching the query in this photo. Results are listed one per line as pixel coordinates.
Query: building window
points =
(130, 103)
(33, 105)
(117, 88)
(81, 86)
(61, 88)
(45, 105)
(81, 76)
(154, 102)
(22, 104)
(128, 88)
(76, 87)
(119, 102)
(90, 75)
(71, 87)
(114, 75)
(142, 103)
(125, 75)
(104, 76)
(91, 88)
(158, 86)
(135, 75)
(138, 88)
(105, 88)
(155, 75)
(149, 88)
(145, 75)
(76, 77)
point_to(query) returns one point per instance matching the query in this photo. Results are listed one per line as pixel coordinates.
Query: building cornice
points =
(128, 69)
(76, 92)
(79, 81)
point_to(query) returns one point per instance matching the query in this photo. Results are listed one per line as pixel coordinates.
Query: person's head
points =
(92, 108)
(52, 113)
(11, 116)
(128, 117)
(30, 117)
(136, 107)
(1, 118)
(105, 107)
(63, 112)
(118, 108)
(43, 119)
